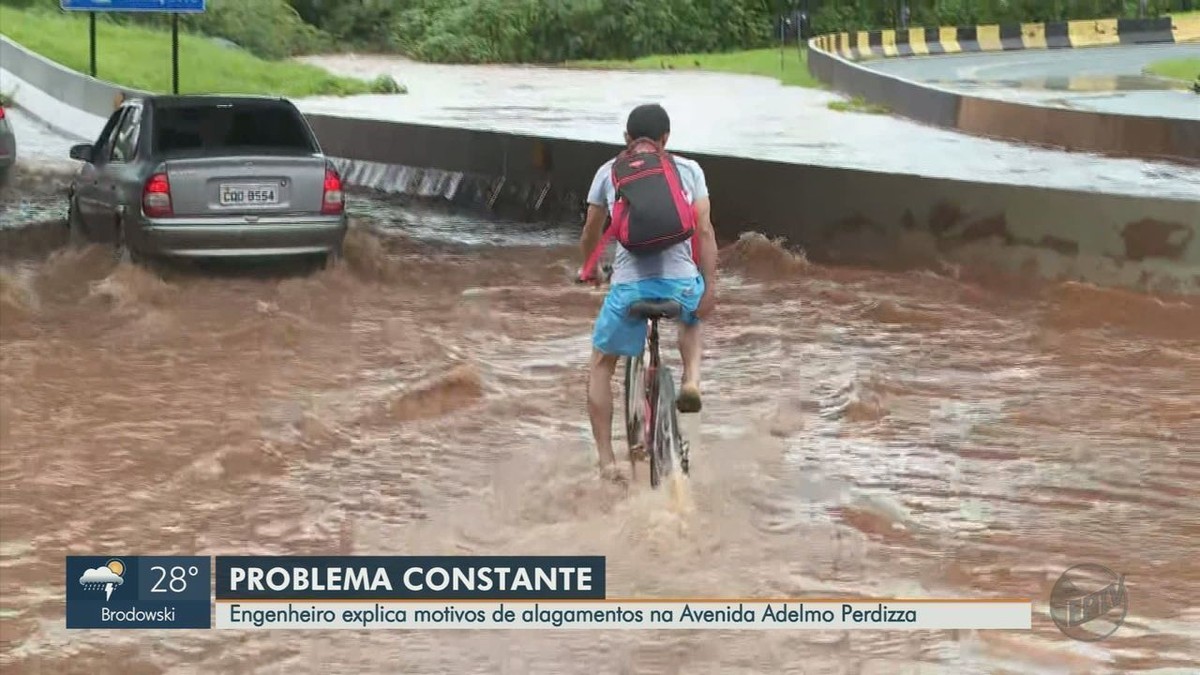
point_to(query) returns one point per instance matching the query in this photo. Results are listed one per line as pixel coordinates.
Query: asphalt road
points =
(37, 141)
(723, 114)
(1106, 79)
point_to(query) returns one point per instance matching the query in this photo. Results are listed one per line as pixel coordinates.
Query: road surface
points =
(1103, 79)
(735, 115)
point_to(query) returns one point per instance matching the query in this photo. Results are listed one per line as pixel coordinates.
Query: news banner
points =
(457, 592)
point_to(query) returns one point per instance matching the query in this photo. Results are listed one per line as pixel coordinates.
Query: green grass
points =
(859, 105)
(764, 62)
(1187, 70)
(141, 58)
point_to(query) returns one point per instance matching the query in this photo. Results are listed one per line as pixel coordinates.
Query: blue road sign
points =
(165, 6)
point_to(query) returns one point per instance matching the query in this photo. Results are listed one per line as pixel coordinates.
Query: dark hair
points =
(648, 121)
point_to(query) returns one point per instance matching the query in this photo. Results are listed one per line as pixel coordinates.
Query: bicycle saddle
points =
(656, 309)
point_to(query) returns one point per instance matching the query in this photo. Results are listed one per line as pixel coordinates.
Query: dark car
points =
(208, 176)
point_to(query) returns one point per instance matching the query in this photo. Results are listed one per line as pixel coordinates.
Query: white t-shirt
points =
(672, 263)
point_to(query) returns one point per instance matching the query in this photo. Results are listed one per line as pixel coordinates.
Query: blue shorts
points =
(618, 333)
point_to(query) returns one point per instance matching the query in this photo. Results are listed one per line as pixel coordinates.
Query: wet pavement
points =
(864, 432)
(36, 141)
(1104, 79)
(19, 211)
(36, 189)
(734, 115)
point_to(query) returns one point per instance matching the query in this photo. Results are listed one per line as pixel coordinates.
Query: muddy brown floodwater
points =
(864, 432)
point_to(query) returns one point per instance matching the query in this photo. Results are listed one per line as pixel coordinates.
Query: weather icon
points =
(104, 577)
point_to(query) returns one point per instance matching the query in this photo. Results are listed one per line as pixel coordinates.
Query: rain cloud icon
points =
(104, 577)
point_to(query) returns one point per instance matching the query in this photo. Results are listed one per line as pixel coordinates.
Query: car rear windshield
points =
(230, 128)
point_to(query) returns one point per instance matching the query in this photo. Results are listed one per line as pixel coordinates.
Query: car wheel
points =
(331, 258)
(122, 251)
(76, 235)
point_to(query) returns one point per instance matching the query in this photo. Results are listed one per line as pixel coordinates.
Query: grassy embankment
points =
(1187, 70)
(140, 58)
(766, 62)
(792, 70)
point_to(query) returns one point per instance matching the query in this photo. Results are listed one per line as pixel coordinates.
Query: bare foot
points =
(612, 474)
(688, 400)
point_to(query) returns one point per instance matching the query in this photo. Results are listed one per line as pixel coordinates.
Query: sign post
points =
(172, 7)
(92, 42)
(174, 53)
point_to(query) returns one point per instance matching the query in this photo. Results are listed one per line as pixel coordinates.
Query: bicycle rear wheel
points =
(636, 393)
(668, 444)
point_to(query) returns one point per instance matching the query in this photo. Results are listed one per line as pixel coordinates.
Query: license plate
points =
(248, 195)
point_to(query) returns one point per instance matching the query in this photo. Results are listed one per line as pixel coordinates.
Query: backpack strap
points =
(589, 267)
(609, 232)
(687, 212)
(678, 180)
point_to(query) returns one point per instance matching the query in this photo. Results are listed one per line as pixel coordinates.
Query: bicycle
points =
(651, 418)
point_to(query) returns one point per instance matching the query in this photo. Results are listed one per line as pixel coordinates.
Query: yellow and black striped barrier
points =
(876, 44)
(1105, 84)
(960, 108)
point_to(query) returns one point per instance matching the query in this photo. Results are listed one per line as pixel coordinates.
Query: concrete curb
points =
(833, 60)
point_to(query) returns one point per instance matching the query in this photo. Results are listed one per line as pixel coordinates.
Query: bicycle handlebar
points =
(605, 274)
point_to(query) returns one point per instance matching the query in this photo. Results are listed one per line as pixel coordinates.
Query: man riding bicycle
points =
(666, 250)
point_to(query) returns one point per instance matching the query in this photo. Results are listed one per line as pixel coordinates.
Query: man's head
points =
(648, 121)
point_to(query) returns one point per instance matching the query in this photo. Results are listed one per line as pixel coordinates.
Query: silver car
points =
(207, 176)
(8, 146)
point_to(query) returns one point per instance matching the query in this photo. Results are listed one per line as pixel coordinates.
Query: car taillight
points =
(1, 112)
(333, 201)
(156, 196)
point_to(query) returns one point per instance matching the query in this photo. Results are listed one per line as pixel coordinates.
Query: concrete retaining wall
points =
(1009, 37)
(831, 60)
(836, 215)
(87, 99)
(846, 215)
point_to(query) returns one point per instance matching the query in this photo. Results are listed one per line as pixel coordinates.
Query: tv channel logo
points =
(1089, 602)
(139, 592)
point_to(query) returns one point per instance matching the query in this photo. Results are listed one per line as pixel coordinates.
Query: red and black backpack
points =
(651, 212)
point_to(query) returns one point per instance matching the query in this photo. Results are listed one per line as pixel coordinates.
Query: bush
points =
(526, 31)
(268, 28)
(361, 23)
(385, 84)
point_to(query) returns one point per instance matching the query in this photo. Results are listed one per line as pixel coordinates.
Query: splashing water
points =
(431, 399)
